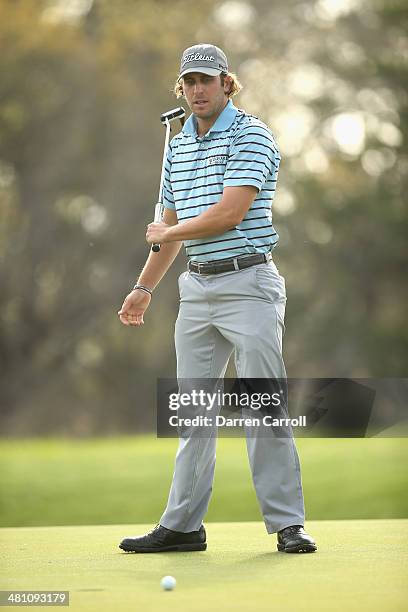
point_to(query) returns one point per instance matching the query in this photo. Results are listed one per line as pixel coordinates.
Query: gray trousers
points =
(241, 311)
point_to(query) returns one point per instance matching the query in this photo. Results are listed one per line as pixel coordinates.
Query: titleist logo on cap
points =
(194, 57)
(205, 58)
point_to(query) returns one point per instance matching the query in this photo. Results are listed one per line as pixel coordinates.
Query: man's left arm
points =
(219, 218)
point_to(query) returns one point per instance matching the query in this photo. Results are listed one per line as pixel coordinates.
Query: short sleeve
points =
(254, 155)
(168, 198)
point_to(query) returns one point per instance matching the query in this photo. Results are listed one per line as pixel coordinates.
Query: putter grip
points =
(158, 215)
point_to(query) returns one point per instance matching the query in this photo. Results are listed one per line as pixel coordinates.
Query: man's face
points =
(205, 94)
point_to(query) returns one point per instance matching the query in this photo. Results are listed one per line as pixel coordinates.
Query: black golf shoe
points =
(161, 539)
(294, 539)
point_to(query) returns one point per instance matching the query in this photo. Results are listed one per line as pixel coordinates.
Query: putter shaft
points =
(165, 118)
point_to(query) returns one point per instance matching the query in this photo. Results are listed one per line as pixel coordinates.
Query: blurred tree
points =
(82, 85)
(331, 76)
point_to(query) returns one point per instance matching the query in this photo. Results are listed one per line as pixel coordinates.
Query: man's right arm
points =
(157, 264)
(155, 268)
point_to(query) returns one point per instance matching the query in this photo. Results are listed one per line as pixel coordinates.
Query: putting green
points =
(360, 565)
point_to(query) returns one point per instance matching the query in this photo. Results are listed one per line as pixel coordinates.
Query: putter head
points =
(176, 113)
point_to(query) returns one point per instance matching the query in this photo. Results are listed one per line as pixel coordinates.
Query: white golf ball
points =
(168, 583)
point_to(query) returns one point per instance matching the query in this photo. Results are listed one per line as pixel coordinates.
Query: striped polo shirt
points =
(237, 150)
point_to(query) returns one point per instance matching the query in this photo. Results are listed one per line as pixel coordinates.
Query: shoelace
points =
(292, 529)
(159, 527)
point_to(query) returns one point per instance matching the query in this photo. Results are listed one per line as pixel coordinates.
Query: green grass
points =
(359, 566)
(126, 480)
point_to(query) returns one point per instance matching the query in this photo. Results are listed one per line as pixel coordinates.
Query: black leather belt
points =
(228, 265)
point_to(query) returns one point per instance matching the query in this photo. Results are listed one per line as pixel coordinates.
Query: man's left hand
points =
(157, 233)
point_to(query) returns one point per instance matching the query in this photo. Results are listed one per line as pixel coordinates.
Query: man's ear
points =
(227, 84)
(181, 86)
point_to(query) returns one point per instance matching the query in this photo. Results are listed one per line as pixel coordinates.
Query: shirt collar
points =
(223, 122)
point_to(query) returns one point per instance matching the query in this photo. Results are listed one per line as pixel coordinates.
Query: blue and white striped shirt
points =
(237, 150)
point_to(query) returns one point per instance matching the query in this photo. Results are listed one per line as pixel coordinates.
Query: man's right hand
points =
(134, 307)
(156, 266)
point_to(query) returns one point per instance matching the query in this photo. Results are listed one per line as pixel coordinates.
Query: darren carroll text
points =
(222, 421)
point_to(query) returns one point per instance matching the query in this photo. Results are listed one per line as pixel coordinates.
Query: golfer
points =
(220, 180)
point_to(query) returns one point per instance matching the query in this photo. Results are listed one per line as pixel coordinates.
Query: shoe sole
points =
(300, 548)
(174, 548)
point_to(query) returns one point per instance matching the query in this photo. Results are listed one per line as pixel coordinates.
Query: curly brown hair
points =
(234, 89)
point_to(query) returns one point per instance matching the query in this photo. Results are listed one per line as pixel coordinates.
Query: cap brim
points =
(209, 71)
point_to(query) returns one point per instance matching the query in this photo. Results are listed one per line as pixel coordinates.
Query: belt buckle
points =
(199, 264)
(191, 265)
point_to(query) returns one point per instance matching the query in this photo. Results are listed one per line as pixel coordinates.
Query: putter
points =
(165, 118)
